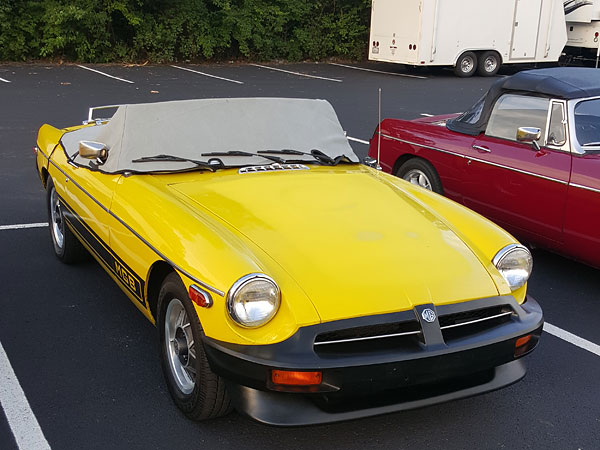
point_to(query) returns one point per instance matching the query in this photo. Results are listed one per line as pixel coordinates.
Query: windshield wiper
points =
(591, 144)
(211, 164)
(315, 153)
(241, 153)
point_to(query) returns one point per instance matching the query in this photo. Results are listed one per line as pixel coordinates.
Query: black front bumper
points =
(441, 362)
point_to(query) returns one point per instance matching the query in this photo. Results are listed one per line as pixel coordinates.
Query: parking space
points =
(87, 360)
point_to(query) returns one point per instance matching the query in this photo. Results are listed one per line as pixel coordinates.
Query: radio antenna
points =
(379, 131)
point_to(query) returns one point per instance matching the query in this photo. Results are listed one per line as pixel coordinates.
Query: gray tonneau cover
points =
(191, 128)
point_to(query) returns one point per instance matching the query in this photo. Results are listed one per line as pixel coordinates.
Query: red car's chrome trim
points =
(471, 158)
(524, 172)
(422, 145)
(154, 249)
(587, 188)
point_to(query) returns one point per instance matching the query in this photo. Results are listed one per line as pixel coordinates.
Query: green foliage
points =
(169, 30)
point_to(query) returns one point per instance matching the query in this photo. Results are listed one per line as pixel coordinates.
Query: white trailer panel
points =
(583, 24)
(439, 32)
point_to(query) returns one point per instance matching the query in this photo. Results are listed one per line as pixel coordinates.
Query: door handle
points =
(481, 149)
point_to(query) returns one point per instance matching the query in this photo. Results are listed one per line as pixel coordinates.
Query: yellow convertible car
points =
(286, 279)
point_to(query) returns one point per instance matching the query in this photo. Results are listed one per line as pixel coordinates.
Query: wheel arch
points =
(156, 275)
(44, 175)
(477, 52)
(481, 52)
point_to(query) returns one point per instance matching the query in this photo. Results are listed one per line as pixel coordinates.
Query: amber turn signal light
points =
(294, 378)
(522, 341)
(522, 345)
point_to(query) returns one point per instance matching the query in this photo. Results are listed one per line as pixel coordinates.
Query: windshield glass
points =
(473, 114)
(587, 123)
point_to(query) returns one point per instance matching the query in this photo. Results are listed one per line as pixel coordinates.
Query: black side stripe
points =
(126, 276)
(135, 233)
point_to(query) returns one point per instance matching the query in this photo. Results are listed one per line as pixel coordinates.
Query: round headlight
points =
(253, 300)
(515, 263)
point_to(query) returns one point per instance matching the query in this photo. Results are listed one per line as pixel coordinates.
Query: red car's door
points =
(582, 218)
(512, 183)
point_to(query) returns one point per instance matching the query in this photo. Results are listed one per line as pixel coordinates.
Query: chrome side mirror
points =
(528, 135)
(93, 150)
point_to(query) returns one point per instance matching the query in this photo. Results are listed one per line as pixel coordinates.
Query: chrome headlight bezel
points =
(511, 250)
(233, 300)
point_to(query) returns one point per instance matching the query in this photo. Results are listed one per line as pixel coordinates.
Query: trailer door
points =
(525, 29)
(395, 28)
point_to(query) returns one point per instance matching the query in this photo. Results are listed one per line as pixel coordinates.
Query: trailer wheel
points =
(488, 64)
(466, 65)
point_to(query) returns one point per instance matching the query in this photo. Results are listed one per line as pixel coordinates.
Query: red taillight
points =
(200, 297)
(295, 378)
(35, 150)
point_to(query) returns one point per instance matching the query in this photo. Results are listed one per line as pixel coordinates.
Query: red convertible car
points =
(526, 155)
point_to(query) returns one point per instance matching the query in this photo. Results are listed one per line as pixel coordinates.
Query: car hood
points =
(353, 239)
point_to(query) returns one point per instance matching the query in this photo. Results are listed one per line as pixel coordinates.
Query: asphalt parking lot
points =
(87, 361)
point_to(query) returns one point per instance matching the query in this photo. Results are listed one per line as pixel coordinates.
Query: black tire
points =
(208, 397)
(466, 65)
(488, 63)
(418, 168)
(68, 249)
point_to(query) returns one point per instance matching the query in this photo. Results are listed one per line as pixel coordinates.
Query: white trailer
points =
(469, 35)
(583, 28)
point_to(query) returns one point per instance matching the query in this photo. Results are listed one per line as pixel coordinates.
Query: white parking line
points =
(22, 421)
(208, 75)
(427, 115)
(572, 339)
(297, 73)
(379, 71)
(23, 225)
(105, 74)
(360, 141)
(5, 81)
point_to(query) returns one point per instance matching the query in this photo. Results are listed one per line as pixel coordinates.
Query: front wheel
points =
(194, 387)
(466, 65)
(421, 173)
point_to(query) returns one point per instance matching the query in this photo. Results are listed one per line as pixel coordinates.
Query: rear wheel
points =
(488, 64)
(196, 390)
(421, 173)
(66, 246)
(466, 65)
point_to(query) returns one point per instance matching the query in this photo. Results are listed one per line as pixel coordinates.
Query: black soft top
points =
(558, 82)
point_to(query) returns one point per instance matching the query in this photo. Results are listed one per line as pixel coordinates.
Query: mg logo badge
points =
(428, 315)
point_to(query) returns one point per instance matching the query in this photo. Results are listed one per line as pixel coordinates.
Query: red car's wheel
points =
(421, 173)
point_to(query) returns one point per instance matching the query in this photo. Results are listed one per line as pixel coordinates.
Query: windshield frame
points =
(576, 147)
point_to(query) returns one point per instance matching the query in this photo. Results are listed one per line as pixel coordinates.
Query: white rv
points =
(583, 27)
(469, 35)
